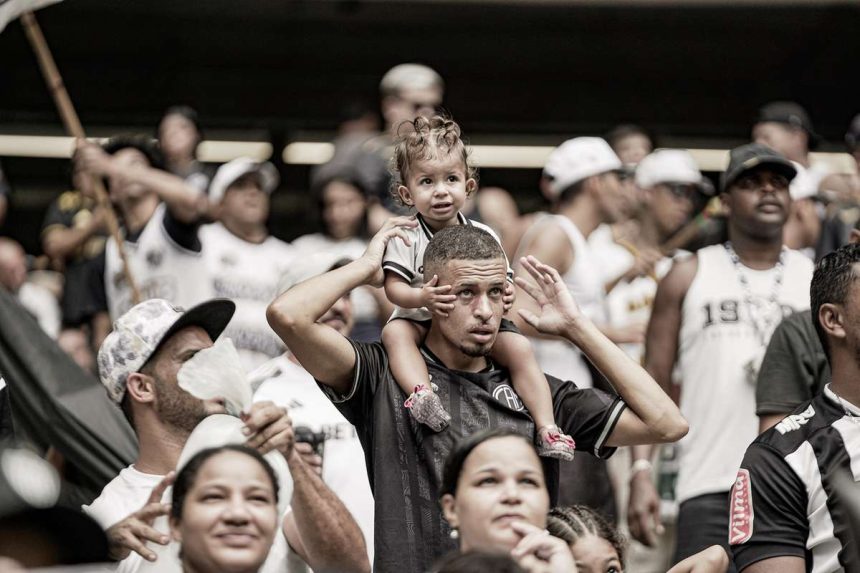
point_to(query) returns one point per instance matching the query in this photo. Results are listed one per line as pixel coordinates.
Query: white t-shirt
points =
(615, 260)
(161, 268)
(364, 307)
(716, 341)
(127, 493)
(43, 305)
(249, 274)
(287, 384)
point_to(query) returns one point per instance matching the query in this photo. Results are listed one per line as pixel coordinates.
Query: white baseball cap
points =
(579, 158)
(668, 166)
(228, 173)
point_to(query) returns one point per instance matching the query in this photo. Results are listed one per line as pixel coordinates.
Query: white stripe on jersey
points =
(821, 540)
(849, 429)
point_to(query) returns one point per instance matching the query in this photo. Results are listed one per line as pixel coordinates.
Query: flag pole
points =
(73, 127)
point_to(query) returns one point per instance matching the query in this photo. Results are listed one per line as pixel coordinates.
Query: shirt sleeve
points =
(767, 509)
(788, 371)
(587, 415)
(356, 404)
(400, 259)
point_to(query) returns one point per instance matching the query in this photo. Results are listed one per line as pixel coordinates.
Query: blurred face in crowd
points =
(409, 104)
(178, 137)
(612, 199)
(759, 202)
(344, 208)
(339, 316)
(594, 554)
(478, 285)
(174, 406)
(13, 265)
(632, 148)
(671, 205)
(782, 138)
(229, 516)
(121, 188)
(245, 202)
(74, 343)
(501, 482)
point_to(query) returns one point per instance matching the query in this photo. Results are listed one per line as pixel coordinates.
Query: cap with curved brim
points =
(212, 316)
(754, 156)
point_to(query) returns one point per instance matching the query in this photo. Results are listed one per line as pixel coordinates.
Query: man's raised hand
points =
(132, 533)
(558, 309)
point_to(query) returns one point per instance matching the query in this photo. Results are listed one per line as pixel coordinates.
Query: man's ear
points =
(831, 319)
(140, 387)
(449, 510)
(854, 237)
(405, 195)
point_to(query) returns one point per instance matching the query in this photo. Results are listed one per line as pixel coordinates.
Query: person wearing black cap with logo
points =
(141, 364)
(713, 316)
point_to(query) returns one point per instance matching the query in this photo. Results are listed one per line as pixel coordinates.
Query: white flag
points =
(11, 9)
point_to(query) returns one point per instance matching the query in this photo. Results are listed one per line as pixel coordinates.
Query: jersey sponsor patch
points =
(741, 519)
(795, 421)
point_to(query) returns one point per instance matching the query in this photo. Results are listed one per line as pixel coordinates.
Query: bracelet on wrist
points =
(641, 465)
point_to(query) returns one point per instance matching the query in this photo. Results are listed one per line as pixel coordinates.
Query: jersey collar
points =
(431, 357)
(428, 232)
(843, 404)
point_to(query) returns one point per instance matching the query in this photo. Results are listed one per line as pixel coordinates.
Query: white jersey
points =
(287, 384)
(128, 493)
(584, 280)
(248, 274)
(614, 259)
(716, 342)
(407, 261)
(364, 307)
(160, 267)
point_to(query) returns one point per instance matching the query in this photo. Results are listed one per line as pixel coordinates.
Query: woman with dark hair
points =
(495, 499)
(596, 545)
(179, 135)
(224, 510)
(342, 203)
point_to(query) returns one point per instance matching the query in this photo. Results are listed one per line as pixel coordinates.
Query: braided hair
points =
(572, 523)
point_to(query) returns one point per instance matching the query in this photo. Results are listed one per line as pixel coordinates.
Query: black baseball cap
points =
(789, 113)
(751, 156)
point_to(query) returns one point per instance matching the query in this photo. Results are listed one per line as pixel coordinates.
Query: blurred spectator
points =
(406, 91)
(596, 545)
(495, 207)
(37, 299)
(179, 135)
(342, 205)
(852, 141)
(160, 216)
(630, 142)
(75, 343)
(287, 383)
(73, 236)
(713, 316)
(5, 191)
(244, 261)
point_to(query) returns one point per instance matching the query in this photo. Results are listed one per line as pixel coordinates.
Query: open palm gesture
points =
(558, 310)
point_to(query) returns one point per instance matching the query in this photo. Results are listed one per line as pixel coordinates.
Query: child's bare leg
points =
(402, 339)
(514, 352)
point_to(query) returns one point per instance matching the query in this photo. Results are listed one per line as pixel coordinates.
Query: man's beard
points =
(178, 408)
(475, 350)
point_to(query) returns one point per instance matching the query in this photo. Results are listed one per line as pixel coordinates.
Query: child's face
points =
(437, 188)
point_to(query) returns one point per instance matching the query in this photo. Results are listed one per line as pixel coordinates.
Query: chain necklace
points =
(855, 419)
(762, 315)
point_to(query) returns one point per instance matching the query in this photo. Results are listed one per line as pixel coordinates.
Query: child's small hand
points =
(509, 297)
(436, 298)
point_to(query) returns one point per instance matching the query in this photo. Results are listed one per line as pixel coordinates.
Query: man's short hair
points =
(459, 243)
(831, 284)
(409, 76)
(142, 143)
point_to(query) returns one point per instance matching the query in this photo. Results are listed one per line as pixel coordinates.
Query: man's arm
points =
(652, 416)
(319, 527)
(328, 356)
(59, 241)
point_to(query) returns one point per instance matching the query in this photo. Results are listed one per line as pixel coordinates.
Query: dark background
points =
(692, 72)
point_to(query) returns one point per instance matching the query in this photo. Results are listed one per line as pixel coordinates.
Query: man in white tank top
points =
(586, 192)
(159, 214)
(244, 261)
(713, 316)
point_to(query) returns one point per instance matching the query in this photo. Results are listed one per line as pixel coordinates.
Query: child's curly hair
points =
(422, 139)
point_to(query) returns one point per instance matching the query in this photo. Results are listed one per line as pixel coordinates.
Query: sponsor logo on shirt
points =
(741, 520)
(506, 395)
(795, 421)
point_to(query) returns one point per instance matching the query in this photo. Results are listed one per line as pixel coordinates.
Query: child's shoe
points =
(553, 444)
(426, 408)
